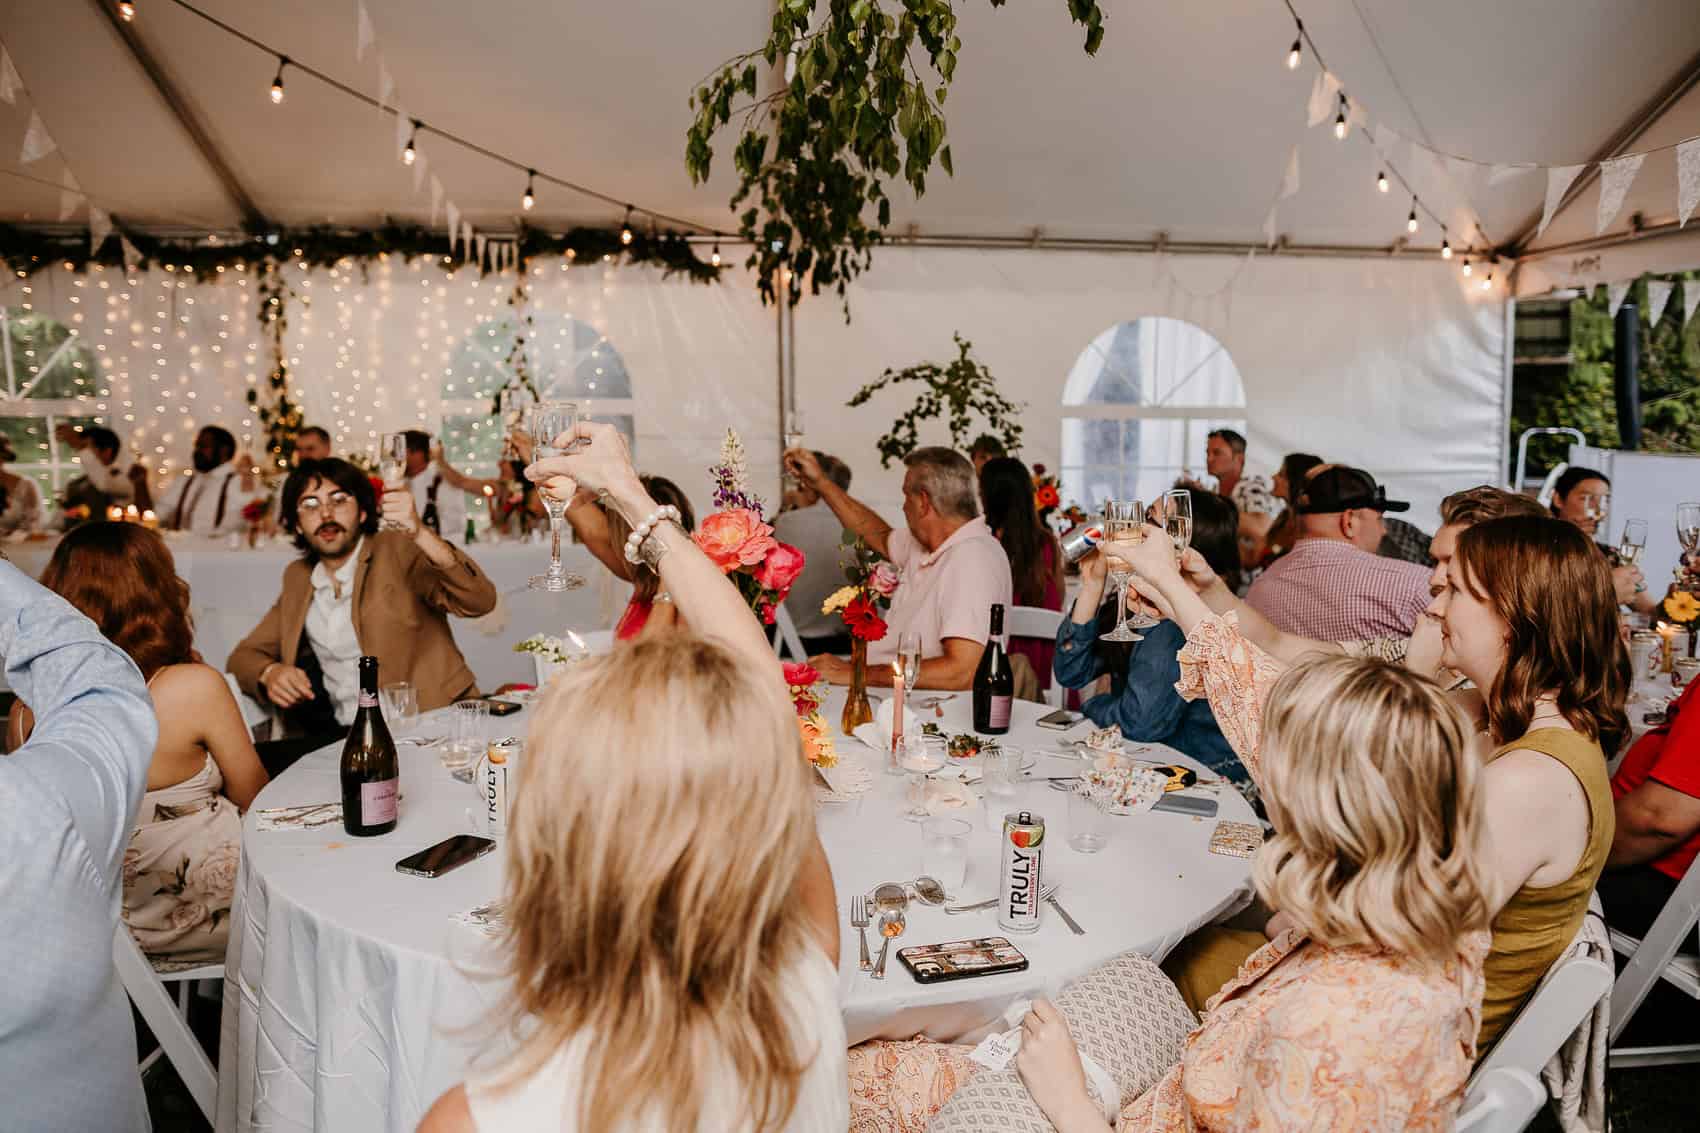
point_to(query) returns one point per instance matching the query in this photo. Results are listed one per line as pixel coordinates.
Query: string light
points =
(127, 9)
(277, 83)
(1468, 270)
(1487, 282)
(1296, 52)
(626, 227)
(1340, 121)
(1411, 221)
(714, 258)
(530, 198)
(408, 153)
(1381, 181)
(1445, 250)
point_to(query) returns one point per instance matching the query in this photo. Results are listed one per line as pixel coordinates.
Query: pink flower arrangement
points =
(784, 563)
(738, 539)
(882, 580)
(804, 682)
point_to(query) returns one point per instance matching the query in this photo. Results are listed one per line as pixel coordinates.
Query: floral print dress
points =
(180, 870)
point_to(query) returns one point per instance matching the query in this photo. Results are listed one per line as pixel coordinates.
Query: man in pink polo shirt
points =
(954, 569)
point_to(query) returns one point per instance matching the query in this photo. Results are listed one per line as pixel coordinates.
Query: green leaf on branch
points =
(957, 393)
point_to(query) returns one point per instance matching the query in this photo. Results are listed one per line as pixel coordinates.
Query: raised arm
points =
(858, 517)
(590, 524)
(1257, 629)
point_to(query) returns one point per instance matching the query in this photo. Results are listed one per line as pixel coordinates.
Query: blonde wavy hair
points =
(1374, 791)
(661, 822)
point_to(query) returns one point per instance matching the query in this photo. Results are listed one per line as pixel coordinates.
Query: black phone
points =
(450, 853)
(962, 959)
(1062, 719)
(497, 707)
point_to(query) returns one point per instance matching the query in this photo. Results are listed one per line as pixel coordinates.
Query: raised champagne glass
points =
(1124, 522)
(549, 421)
(1688, 527)
(392, 467)
(1632, 542)
(793, 438)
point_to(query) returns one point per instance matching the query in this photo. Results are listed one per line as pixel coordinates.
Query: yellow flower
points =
(839, 599)
(817, 741)
(1682, 606)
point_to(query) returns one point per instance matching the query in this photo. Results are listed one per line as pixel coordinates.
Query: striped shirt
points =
(1329, 590)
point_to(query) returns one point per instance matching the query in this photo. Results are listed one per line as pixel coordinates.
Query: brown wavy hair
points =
(1552, 588)
(123, 578)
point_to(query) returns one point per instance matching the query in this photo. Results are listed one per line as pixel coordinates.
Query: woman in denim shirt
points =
(1142, 699)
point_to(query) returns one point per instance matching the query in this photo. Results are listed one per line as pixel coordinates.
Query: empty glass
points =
(918, 756)
(549, 420)
(1089, 819)
(400, 704)
(999, 767)
(944, 852)
(468, 736)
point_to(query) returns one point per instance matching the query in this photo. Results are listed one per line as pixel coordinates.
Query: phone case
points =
(962, 959)
(502, 707)
(421, 864)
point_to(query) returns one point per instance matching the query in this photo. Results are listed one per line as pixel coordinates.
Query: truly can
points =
(1082, 541)
(1018, 877)
(1646, 654)
(493, 791)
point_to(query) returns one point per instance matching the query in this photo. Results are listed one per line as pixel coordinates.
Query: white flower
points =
(735, 462)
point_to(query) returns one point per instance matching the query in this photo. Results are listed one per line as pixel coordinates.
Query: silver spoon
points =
(891, 927)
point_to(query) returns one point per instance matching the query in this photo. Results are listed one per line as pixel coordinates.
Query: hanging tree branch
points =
(855, 113)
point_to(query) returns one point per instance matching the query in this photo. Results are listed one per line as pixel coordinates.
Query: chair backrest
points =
(171, 1029)
(1673, 924)
(1566, 995)
(1503, 1100)
(1032, 621)
(785, 638)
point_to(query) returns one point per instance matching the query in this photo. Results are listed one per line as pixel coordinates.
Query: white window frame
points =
(15, 401)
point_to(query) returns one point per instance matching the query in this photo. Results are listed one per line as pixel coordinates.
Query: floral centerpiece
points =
(551, 654)
(739, 540)
(807, 691)
(862, 604)
(1681, 607)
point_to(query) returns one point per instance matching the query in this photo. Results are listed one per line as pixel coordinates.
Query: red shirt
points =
(1670, 754)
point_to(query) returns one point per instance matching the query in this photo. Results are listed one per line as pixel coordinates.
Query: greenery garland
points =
(280, 416)
(29, 250)
(955, 392)
(855, 111)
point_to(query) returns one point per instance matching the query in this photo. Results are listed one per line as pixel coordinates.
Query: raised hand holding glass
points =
(550, 420)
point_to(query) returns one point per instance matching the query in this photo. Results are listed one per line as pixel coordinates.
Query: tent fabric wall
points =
(1394, 365)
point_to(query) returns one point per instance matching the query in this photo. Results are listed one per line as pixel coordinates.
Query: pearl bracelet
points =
(641, 533)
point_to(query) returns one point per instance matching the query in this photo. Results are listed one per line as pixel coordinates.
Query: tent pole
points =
(781, 307)
(1507, 358)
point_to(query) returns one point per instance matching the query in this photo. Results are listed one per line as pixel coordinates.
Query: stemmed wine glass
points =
(1632, 542)
(1176, 514)
(392, 467)
(1688, 527)
(550, 419)
(793, 438)
(1124, 522)
(909, 658)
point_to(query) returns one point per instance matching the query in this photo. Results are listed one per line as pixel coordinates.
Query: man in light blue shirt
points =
(68, 798)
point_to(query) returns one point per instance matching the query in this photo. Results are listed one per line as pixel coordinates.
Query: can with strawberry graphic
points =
(1018, 879)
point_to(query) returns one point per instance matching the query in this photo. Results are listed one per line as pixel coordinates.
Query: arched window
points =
(1138, 406)
(49, 377)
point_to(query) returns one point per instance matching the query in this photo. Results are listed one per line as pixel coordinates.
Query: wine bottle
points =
(371, 776)
(994, 682)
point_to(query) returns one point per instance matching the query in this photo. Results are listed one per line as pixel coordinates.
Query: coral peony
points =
(734, 539)
(864, 620)
(883, 579)
(780, 569)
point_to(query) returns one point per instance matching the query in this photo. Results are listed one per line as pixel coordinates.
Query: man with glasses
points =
(357, 591)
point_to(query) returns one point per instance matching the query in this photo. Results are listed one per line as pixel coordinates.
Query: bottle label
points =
(1000, 711)
(368, 699)
(378, 802)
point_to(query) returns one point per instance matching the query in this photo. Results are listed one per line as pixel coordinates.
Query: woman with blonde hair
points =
(1364, 1011)
(671, 927)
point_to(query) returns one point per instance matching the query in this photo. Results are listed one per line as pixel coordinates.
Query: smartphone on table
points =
(962, 959)
(497, 707)
(450, 853)
(1061, 720)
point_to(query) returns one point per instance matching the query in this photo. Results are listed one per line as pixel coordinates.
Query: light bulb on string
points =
(1487, 281)
(526, 202)
(1411, 221)
(408, 152)
(127, 9)
(1445, 249)
(714, 257)
(1296, 52)
(1340, 121)
(277, 82)
(1381, 181)
(626, 227)
(1467, 269)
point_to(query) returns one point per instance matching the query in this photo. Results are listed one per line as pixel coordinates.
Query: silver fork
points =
(859, 922)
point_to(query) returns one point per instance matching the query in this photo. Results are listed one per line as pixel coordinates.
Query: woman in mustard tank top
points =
(1528, 613)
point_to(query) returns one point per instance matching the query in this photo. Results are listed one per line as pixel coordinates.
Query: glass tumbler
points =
(1089, 819)
(944, 852)
(468, 728)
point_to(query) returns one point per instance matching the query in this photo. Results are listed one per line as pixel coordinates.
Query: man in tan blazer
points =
(357, 590)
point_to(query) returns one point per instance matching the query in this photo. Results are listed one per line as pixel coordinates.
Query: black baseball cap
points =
(1341, 489)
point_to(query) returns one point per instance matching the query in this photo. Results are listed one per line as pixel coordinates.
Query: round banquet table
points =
(352, 996)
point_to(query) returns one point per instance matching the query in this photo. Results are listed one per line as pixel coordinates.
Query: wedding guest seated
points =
(210, 499)
(1582, 496)
(1257, 508)
(312, 443)
(808, 524)
(1295, 469)
(1142, 700)
(357, 591)
(68, 801)
(721, 936)
(985, 447)
(1527, 614)
(1361, 1015)
(1224, 458)
(98, 453)
(1332, 585)
(1035, 556)
(1404, 541)
(20, 499)
(953, 568)
(441, 507)
(180, 869)
(604, 531)
(515, 504)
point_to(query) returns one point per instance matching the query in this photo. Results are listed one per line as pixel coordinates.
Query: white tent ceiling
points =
(1181, 125)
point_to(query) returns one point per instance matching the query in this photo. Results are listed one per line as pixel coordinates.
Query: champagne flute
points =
(550, 419)
(1632, 542)
(1124, 522)
(392, 467)
(1688, 526)
(909, 656)
(793, 438)
(1177, 519)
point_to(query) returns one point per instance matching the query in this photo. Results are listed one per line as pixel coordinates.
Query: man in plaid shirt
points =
(1332, 586)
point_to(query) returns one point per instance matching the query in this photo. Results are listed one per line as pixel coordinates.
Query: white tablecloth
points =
(231, 590)
(346, 980)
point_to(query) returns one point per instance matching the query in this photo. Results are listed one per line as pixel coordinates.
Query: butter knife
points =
(1051, 900)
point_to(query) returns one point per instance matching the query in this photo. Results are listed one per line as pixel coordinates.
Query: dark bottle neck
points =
(369, 676)
(997, 620)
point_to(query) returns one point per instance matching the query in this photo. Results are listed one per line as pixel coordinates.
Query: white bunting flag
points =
(1269, 226)
(1618, 292)
(403, 128)
(1616, 176)
(1322, 93)
(436, 199)
(454, 226)
(386, 85)
(1658, 294)
(100, 227)
(132, 257)
(1499, 174)
(1559, 178)
(10, 82)
(1356, 114)
(481, 244)
(419, 165)
(38, 143)
(363, 34)
(1290, 182)
(1690, 299)
(1687, 181)
(466, 239)
(69, 194)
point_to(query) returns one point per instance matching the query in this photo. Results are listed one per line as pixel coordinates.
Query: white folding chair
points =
(167, 1020)
(1035, 621)
(785, 638)
(1501, 1101)
(1652, 959)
